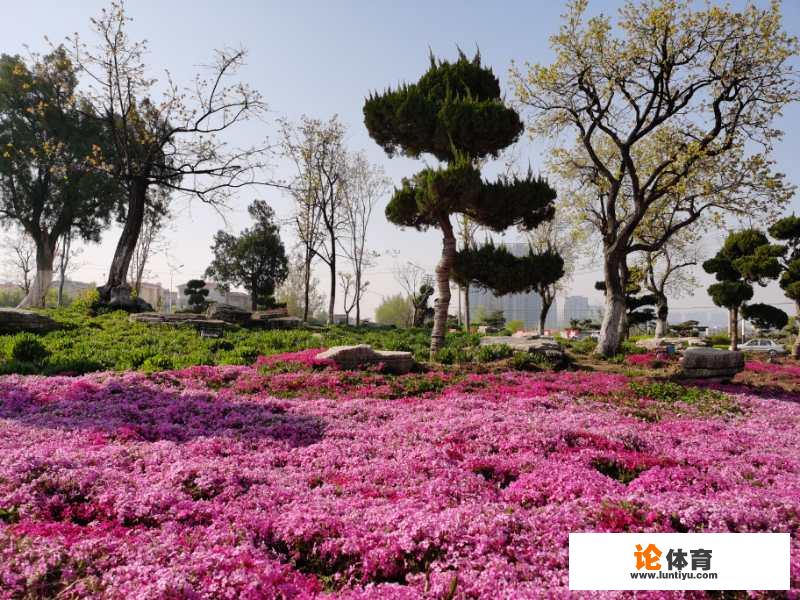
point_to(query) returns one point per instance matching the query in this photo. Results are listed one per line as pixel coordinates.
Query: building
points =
(157, 296)
(515, 307)
(574, 308)
(215, 294)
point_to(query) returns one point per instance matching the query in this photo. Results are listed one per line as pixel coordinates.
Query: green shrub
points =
(87, 302)
(158, 362)
(719, 339)
(584, 346)
(629, 347)
(26, 347)
(493, 352)
(515, 325)
(450, 355)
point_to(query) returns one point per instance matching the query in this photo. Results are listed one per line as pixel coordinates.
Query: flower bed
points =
(237, 482)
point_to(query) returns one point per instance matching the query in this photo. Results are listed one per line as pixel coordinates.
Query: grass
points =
(112, 342)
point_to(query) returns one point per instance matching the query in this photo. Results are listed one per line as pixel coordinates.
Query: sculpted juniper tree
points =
(746, 258)
(173, 142)
(366, 185)
(787, 230)
(48, 153)
(673, 115)
(319, 188)
(456, 114)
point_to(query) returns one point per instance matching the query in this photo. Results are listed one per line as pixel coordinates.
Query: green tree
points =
(667, 110)
(197, 293)
(765, 316)
(455, 112)
(497, 269)
(638, 309)
(49, 149)
(745, 258)
(787, 230)
(255, 259)
(395, 310)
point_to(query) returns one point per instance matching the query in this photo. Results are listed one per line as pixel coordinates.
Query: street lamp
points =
(171, 271)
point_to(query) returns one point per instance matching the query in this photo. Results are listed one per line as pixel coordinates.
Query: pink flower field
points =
(290, 480)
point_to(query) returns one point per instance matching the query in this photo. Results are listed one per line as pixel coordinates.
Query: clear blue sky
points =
(322, 58)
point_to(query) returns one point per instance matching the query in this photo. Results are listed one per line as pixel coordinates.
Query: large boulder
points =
(363, 356)
(13, 320)
(122, 298)
(710, 363)
(532, 343)
(228, 313)
(678, 342)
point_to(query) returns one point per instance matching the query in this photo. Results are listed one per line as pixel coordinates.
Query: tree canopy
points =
(455, 112)
(255, 259)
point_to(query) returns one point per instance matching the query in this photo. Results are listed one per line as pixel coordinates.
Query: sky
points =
(320, 59)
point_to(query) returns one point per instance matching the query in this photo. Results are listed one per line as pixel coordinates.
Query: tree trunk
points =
(546, 304)
(306, 287)
(332, 303)
(614, 321)
(466, 308)
(662, 312)
(126, 246)
(37, 293)
(443, 286)
(734, 328)
(358, 299)
(796, 347)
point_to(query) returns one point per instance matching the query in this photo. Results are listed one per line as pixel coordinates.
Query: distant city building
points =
(157, 296)
(215, 294)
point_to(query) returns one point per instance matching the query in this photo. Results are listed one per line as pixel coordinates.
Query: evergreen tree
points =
(255, 259)
(455, 113)
(745, 258)
(787, 230)
(197, 293)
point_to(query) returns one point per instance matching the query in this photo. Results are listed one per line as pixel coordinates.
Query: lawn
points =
(291, 479)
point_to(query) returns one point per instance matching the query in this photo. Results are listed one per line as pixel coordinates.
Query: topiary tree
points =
(456, 114)
(497, 269)
(745, 258)
(197, 292)
(765, 316)
(788, 230)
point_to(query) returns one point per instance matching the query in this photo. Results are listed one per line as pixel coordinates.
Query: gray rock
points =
(14, 320)
(678, 342)
(363, 355)
(484, 329)
(710, 363)
(228, 313)
(281, 323)
(548, 347)
(121, 298)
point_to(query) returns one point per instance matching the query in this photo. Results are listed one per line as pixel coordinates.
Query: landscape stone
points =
(547, 346)
(484, 329)
(13, 320)
(678, 342)
(363, 356)
(710, 363)
(228, 313)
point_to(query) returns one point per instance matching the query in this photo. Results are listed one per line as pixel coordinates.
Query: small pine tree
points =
(197, 292)
(787, 230)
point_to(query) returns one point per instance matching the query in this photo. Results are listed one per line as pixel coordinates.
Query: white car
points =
(763, 345)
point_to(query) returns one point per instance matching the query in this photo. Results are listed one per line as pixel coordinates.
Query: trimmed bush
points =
(26, 347)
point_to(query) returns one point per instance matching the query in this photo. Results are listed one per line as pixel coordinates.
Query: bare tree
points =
(418, 285)
(151, 240)
(350, 293)
(19, 259)
(559, 237)
(66, 254)
(299, 292)
(173, 143)
(366, 185)
(316, 149)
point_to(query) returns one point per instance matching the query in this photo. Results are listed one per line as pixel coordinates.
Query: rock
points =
(202, 324)
(228, 313)
(484, 329)
(678, 342)
(120, 298)
(363, 355)
(710, 363)
(547, 346)
(281, 323)
(13, 320)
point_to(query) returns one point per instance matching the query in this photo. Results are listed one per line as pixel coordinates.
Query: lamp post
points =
(172, 270)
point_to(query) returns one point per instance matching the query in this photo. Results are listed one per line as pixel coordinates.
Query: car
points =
(763, 345)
